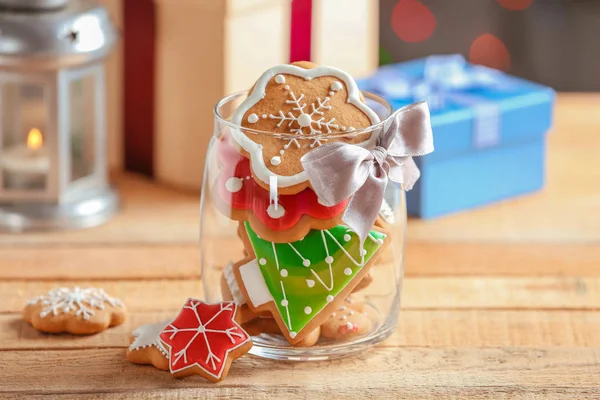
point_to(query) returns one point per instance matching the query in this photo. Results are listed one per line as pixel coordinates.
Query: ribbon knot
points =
(380, 153)
(338, 171)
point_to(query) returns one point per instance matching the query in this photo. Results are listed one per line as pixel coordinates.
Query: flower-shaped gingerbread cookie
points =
(309, 104)
(74, 310)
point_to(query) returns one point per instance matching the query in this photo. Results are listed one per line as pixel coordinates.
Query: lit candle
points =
(27, 166)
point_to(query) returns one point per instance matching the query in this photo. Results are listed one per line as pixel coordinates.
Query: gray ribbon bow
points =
(338, 170)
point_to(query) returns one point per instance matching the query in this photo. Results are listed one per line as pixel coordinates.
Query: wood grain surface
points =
(501, 302)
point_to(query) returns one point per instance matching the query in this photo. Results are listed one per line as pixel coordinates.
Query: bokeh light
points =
(490, 51)
(515, 5)
(412, 21)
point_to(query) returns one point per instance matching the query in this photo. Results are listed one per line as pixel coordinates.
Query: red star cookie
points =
(204, 339)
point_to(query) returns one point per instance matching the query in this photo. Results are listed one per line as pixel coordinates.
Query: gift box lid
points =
(472, 107)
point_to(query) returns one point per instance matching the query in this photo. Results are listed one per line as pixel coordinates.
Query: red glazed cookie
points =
(308, 103)
(204, 339)
(242, 199)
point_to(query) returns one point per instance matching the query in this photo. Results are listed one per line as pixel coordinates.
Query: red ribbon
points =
(139, 48)
(301, 30)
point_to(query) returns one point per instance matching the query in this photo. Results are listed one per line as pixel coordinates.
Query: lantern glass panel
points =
(24, 157)
(82, 126)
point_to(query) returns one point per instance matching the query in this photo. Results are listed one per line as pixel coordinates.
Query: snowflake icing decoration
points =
(81, 301)
(203, 335)
(303, 121)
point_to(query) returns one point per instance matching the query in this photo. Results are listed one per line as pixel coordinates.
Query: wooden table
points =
(500, 302)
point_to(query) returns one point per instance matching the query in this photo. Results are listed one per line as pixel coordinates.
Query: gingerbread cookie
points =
(240, 198)
(349, 321)
(303, 282)
(74, 310)
(146, 348)
(204, 339)
(307, 103)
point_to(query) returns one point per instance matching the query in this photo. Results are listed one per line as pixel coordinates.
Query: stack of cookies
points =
(301, 262)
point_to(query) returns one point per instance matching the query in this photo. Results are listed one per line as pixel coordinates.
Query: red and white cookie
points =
(240, 198)
(310, 105)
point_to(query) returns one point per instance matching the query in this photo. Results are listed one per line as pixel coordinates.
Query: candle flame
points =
(34, 139)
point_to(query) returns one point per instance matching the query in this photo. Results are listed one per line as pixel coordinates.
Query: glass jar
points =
(241, 227)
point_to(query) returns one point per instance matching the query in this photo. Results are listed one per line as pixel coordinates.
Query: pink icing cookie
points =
(241, 198)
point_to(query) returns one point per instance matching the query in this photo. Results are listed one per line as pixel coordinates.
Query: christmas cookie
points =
(349, 321)
(303, 282)
(74, 310)
(307, 103)
(146, 348)
(204, 339)
(240, 198)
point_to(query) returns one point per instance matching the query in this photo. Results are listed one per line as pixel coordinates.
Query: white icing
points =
(253, 118)
(276, 160)
(336, 86)
(284, 303)
(234, 288)
(234, 185)
(310, 283)
(284, 273)
(275, 213)
(280, 79)
(256, 288)
(328, 259)
(255, 150)
(363, 252)
(331, 93)
(306, 262)
(343, 318)
(349, 325)
(347, 237)
(307, 310)
(147, 336)
(262, 261)
(83, 302)
(348, 271)
(292, 334)
(264, 115)
(329, 298)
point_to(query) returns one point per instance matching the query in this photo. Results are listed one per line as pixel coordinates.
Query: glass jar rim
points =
(368, 129)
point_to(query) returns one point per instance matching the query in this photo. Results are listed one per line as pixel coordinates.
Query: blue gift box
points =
(489, 131)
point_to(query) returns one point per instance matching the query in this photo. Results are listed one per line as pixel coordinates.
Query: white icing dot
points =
(248, 177)
(332, 315)
(275, 213)
(253, 118)
(344, 128)
(363, 252)
(329, 299)
(287, 87)
(310, 283)
(281, 152)
(292, 334)
(379, 241)
(348, 272)
(349, 325)
(276, 160)
(351, 313)
(234, 184)
(262, 261)
(347, 237)
(304, 120)
(306, 263)
(351, 129)
(335, 86)
(328, 259)
(284, 303)
(331, 93)
(307, 310)
(284, 272)
(342, 308)
(280, 79)
(264, 115)
(343, 318)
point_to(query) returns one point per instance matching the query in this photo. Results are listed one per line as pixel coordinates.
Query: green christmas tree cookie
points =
(302, 278)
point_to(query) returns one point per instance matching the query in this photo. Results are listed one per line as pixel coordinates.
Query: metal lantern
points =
(53, 170)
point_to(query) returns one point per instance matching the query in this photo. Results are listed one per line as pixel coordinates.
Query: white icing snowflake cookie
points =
(310, 104)
(74, 310)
